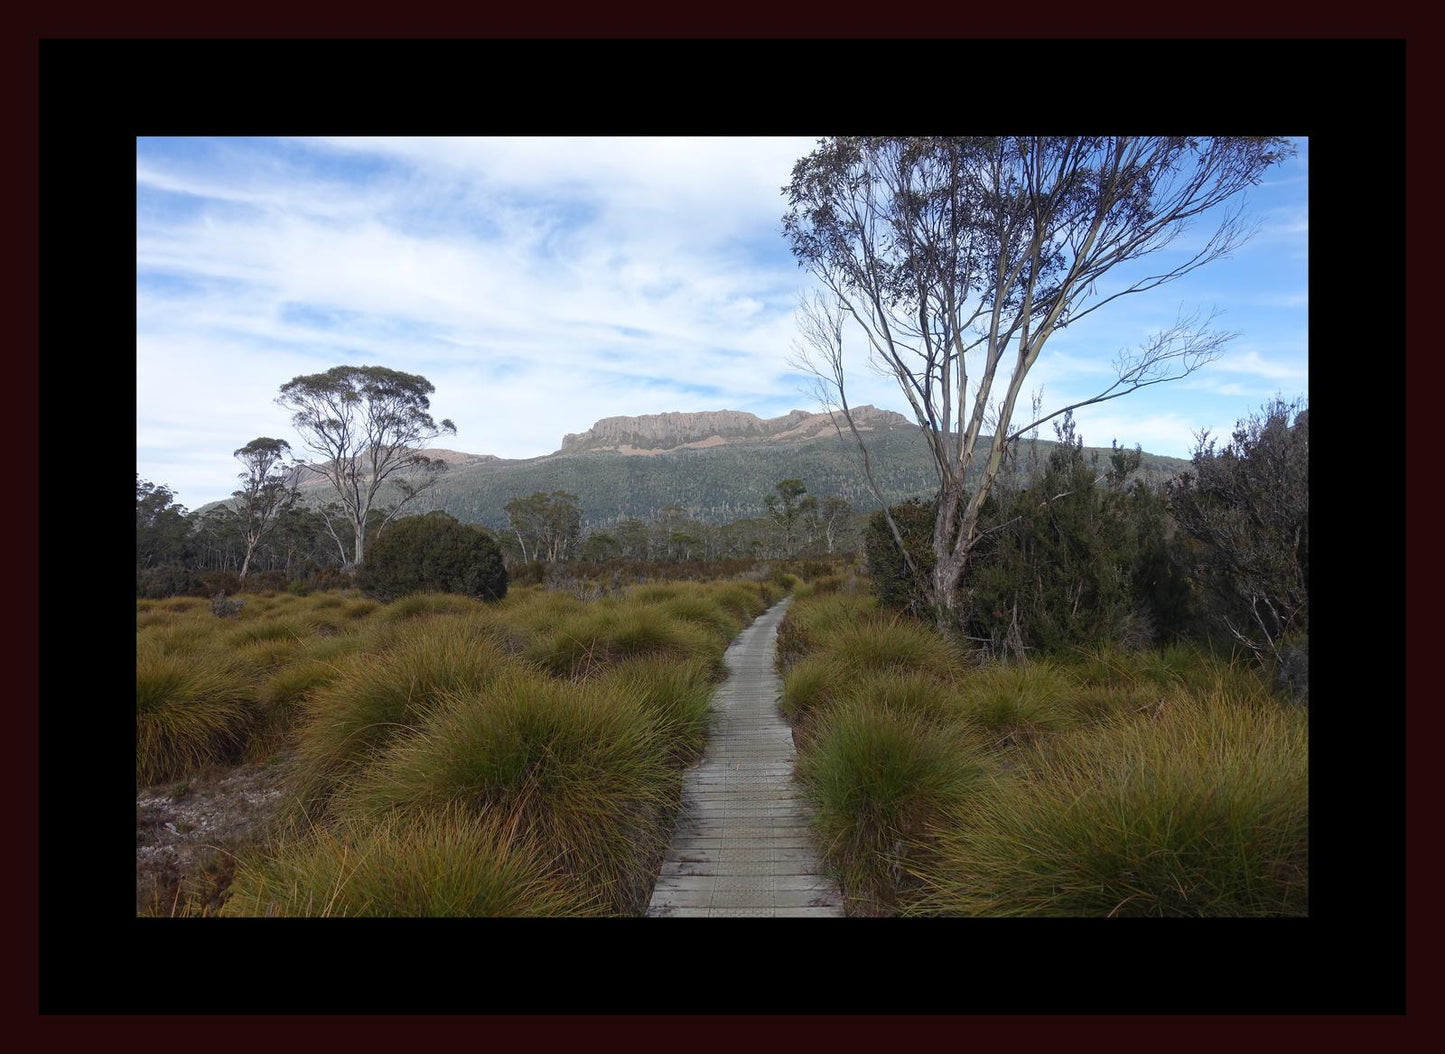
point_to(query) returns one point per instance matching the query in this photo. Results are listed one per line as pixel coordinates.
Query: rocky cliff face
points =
(651, 433)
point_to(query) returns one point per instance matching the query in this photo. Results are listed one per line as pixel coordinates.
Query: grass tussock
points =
(1200, 809)
(1009, 703)
(598, 639)
(677, 696)
(418, 605)
(446, 864)
(878, 778)
(190, 711)
(376, 697)
(1109, 782)
(581, 769)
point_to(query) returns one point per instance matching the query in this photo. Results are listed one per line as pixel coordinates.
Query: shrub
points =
(1247, 509)
(225, 582)
(166, 580)
(434, 553)
(893, 584)
(223, 608)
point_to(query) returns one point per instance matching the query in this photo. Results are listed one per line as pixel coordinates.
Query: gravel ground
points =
(187, 835)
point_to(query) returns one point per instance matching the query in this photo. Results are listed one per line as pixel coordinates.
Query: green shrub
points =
(434, 553)
(446, 865)
(892, 582)
(166, 580)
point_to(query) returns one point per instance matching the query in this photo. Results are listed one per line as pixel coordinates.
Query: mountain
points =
(654, 433)
(717, 466)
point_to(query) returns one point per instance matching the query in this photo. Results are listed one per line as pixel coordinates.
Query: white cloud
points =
(540, 284)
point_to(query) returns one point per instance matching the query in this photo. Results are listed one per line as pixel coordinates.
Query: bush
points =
(166, 580)
(224, 582)
(434, 553)
(893, 584)
(1247, 509)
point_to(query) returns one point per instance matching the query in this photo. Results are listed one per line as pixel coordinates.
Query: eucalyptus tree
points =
(367, 424)
(957, 259)
(546, 526)
(790, 502)
(267, 487)
(162, 531)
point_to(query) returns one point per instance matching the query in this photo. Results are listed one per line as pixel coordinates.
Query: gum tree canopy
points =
(957, 259)
(367, 424)
(266, 491)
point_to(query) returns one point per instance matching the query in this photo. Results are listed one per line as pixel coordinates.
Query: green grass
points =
(1200, 809)
(190, 711)
(877, 779)
(418, 605)
(446, 865)
(678, 696)
(375, 697)
(597, 639)
(1162, 782)
(580, 768)
(1009, 703)
(445, 756)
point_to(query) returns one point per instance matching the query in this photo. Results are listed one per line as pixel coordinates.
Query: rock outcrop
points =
(650, 433)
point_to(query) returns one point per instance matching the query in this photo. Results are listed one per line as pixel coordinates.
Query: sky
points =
(544, 283)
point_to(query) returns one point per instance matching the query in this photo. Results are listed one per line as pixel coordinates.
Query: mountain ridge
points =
(716, 466)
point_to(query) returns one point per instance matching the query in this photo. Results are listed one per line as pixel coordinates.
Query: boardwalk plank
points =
(743, 847)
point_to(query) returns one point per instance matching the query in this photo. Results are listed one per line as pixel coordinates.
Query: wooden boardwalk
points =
(742, 846)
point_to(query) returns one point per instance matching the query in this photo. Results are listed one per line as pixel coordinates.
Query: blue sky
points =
(542, 284)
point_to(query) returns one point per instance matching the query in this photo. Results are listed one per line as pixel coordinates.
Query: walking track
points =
(742, 846)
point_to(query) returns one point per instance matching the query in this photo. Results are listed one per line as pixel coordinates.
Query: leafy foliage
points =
(546, 525)
(1247, 508)
(938, 248)
(367, 424)
(434, 553)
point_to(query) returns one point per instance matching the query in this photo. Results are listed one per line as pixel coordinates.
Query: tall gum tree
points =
(957, 259)
(367, 424)
(267, 488)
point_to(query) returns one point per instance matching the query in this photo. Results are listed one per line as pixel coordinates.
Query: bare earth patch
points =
(187, 835)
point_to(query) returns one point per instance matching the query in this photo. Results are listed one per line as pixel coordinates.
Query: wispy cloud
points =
(540, 284)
